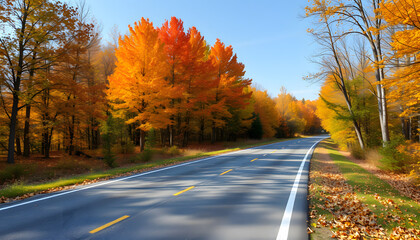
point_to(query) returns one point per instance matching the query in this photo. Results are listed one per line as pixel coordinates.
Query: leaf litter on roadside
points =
(351, 218)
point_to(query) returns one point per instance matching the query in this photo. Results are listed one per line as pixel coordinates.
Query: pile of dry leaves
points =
(352, 219)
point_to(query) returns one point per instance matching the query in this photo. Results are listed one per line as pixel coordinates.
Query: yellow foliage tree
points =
(404, 85)
(265, 108)
(341, 131)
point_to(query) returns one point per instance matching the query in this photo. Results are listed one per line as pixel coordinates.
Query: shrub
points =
(174, 150)
(12, 172)
(109, 159)
(413, 151)
(146, 155)
(108, 140)
(143, 157)
(357, 152)
(393, 159)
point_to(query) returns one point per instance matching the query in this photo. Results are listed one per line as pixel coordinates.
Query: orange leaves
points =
(351, 218)
(168, 77)
(230, 82)
(335, 206)
(138, 82)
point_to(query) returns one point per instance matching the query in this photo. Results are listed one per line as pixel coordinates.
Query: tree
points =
(364, 21)
(331, 107)
(404, 85)
(229, 93)
(335, 63)
(256, 131)
(201, 78)
(31, 24)
(265, 109)
(138, 84)
(177, 48)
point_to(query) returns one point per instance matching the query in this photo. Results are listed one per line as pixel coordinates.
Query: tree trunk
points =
(142, 140)
(162, 138)
(171, 135)
(355, 123)
(45, 143)
(418, 127)
(359, 134)
(404, 128)
(16, 89)
(26, 140)
(383, 114)
(213, 133)
(201, 133)
(71, 135)
(18, 146)
(12, 129)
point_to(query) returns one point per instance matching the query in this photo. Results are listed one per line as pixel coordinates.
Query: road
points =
(257, 193)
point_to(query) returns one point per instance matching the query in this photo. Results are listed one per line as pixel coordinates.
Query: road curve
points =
(257, 193)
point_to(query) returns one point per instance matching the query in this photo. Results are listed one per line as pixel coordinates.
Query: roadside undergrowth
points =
(347, 202)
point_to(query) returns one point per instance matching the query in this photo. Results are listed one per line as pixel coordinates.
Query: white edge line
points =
(125, 178)
(287, 216)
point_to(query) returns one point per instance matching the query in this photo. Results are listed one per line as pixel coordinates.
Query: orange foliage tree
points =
(138, 84)
(230, 91)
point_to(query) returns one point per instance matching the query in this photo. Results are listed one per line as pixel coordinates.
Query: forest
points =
(370, 97)
(65, 90)
(81, 106)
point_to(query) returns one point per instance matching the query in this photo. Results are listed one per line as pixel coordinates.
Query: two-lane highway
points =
(257, 193)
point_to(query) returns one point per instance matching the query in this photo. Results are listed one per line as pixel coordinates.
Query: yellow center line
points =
(254, 159)
(108, 224)
(274, 151)
(176, 194)
(226, 172)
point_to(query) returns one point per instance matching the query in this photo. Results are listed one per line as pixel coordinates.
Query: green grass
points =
(20, 189)
(366, 185)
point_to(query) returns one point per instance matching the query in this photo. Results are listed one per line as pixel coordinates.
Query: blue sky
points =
(269, 37)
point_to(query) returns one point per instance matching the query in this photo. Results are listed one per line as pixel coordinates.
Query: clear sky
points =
(269, 37)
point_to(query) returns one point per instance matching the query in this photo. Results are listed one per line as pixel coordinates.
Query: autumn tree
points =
(200, 79)
(335, 61)
(290, 117)
(76, 73)
(265, 109)
(176, 48)
(138, 84)
(229, 93)
(404, 85)
(360, 18)
(31, 25)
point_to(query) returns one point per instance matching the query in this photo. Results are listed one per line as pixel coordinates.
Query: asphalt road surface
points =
(257, 193)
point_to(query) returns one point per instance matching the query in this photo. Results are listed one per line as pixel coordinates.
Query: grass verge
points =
(26, 190)
(392, 208)
(348, 202)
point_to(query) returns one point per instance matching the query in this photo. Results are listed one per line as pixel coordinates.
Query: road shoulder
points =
(347, 201)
